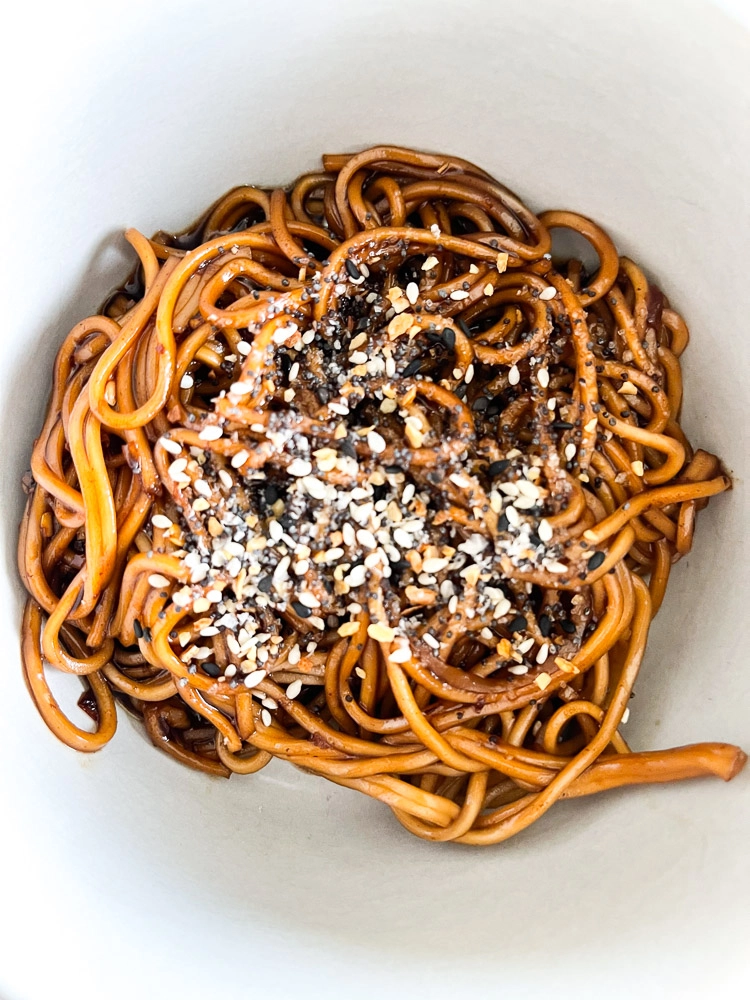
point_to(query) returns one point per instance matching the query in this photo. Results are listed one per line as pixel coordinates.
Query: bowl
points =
(126, 875)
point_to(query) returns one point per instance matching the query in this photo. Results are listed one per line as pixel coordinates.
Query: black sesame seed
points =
(212, 669)
(545, 625)
(413, 367)
(449, 338)
(347, 448)
(495, 468)
(352, 268)
(301, 610)
(271, 494)
(480, 404)
(518, 624)
(138, 629)
(567, 626)
(562, 425)
(460, 390)
(503, 523)
(596, 560)
(265, 583)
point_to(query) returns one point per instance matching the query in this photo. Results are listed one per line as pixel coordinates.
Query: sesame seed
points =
(513, 516)
(469, 374)
(265, 717)
(525, 646)
(548, 293)
(570, 452)
(432, 566)
(459, 295)
(376, 442)
(161, 521)
(226, 479)
(543, 653)
(625, 716)
(543, 377)
(299, 467)
(429, 263)
(412, 292)
(212, 432)
(243, 347)
(186, 382)
(254, 678)
(177, 467)
(545, 530)
(295, 654)
(158, 581)
(431, 640)
(294, 689)
(240, 458)
(514, 375)
(173, 447)
(518, 669)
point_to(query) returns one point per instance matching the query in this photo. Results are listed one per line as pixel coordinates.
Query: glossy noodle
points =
(358, 476)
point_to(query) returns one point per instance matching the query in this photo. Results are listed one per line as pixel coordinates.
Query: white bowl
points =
(125, 875)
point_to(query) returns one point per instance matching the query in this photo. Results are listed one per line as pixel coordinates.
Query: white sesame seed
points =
(375, 442)
(241, 388)
(570, 451)
(459, 295)
(525, 646)
(294, 371)
(514, 375)
(243, 347)
(512, 514)
(357, 357)
(434, 565)
(254, 678)
(412, 292)
(541, 656)
(542, 377)
(625, 716)
(201, 486)
(299, 467)
(173, 447)
(157, 580)
(555, 567)
(212, 432)
(366, 538)
(226, 479)
(161, 521)
(186, 382)
(240, 458)
(544, 530)
(265, 717)
(429, 263)
(518, 669)
(177, 467)
(308, 599)
(294, 689)
(431, 640)
(295, 653)
(548, 293)
(469, 374)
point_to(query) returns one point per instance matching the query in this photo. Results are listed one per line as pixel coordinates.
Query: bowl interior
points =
(142, 115)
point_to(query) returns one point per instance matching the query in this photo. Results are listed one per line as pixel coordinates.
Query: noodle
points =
(354, 475)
